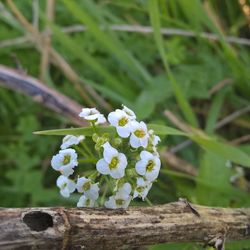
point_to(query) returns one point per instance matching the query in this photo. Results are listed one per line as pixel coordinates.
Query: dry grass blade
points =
(41, 93)
(46, 41)
(59, 61)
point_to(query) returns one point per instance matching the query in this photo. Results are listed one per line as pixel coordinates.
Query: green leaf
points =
(214, 112)
(213, 170)
(87, 131)
(154, 13)
(165, 130)
(110, 41)
(224, 150)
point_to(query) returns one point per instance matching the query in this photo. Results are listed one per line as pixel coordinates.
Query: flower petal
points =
(102, 167)
(65, 192)
(109, 152)
(80, 183)
(110, 203)
(66, 170)
(122, 161)
(117, 173)
(134, 141)
(61, 180)
(140, 167)
(113, 119)
(123, 132)
(71, 186)
(144, 141)
(145, 155)
(152, 175)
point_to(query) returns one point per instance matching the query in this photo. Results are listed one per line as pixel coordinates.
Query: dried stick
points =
(218, 125)
(71, 228)
(141, 29)
(60, 62)
(40, 93)
(178, 164)
(46, 44)
(164, 31)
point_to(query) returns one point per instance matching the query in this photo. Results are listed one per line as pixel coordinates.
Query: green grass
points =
(148, 72)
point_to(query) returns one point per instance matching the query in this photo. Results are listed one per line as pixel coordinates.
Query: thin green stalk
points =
(148, 201)
(81, 151)
(154, 13)
(87, 149)
(88, 160)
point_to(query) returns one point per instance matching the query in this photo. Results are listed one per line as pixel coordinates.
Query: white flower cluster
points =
(125, 164)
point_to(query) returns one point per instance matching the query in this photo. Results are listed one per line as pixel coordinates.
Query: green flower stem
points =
(87, 149)
(102, 200)
(94, 126)
(148, 201)
(93, 175)
(109, 182)
(81, 151)
(88, 160)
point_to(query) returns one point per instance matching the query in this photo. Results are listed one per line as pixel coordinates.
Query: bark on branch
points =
(72, 228)
(12, 79)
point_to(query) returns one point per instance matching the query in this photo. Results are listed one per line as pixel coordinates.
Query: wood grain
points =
(72, 228)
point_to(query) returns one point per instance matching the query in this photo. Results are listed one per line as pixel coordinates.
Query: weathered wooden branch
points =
(72, 228)
(40, 93)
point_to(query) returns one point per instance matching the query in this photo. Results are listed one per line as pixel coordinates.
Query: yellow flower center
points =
(64, 185)
(139, 189)
(140, 133)
(119, 202)
(150, 166)
(113, 163)
(66, 159)
(123, 121)
(86, 186)
(87, 202)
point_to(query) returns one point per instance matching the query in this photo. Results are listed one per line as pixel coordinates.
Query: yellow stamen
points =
(66, 159)
(123, 121)
(150, 166)
(140, 133)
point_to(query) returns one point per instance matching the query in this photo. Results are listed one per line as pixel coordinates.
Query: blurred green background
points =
(182, 56)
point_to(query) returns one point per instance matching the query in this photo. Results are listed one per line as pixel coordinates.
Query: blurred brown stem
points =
(40, 93)
(60, 62)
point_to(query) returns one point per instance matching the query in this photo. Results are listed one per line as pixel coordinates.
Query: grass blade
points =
(154, 13)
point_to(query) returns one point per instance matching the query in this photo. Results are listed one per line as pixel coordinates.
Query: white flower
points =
(66, 186)
(148, 166)
(65, 161)
(129, 112)
(92, 115)
(139, 136)
(125, 189)
(90, 190)
(142, 188)
(85, 202)
(70, 140)
(121, 121)
(155, 139)
(121, 199)
(112, 163)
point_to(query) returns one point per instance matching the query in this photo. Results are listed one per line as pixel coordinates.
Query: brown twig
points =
(218, 125)
(217, 87)
(177, 163)
(164, 31)
(71, 228)
(46, 44)
(240, 140)
(59, 61)
(41, 93)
